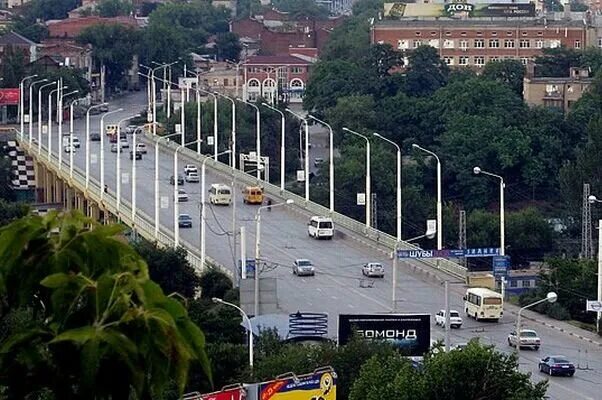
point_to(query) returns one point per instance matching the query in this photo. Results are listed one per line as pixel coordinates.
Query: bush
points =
(558, 311)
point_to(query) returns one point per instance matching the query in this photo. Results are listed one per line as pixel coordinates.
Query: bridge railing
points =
(312, 208)
(142, 223)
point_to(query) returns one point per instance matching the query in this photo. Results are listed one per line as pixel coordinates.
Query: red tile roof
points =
(72, 27)
(275, 60)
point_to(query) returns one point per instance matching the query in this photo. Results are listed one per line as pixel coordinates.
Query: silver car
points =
(528, 338)
(303, 266)
(373, 269)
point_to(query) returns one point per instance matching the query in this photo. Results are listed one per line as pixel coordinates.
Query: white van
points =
(220, 194)
(320, 227)
(482, 303)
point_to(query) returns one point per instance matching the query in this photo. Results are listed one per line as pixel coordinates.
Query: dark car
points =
(95, 137)
(138, 155)
(557, 365)
(184, 221)
(180, 180)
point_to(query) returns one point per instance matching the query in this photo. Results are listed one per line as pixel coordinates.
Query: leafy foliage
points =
(302, 8)
(106, 330)
(509, 72)
(114, 8)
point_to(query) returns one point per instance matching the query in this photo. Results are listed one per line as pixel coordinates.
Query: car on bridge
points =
(75, 142)
(188, 168)
(124, 143)
(320, 227)
(303, 267)
(373, 269)
(182, 195)
(172, 180)
(95, 137)
(184, 221)
(556, 365)
(69, 148)
(138, 155)
(455, 320)
(192, 177)
(528, 338)
(141, 147)
(130, 129)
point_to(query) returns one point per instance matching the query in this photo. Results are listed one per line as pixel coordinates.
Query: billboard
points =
(319, 385)
(9, 97)
(237, 393)
(410, 332)
(459, 9)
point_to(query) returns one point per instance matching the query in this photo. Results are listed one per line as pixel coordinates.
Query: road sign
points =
(477, 252)
(500, 266)
(250, 268)
(482, 252)
(593, 305)
(361, 199)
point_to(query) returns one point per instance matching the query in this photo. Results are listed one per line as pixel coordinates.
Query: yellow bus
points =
(482, 303)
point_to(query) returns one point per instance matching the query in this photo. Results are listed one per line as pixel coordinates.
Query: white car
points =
(528, 338)
(455, 321)
(75, 142)
(188, 168)
(373, 269)
(124, 144)
(69, 149)
(141, 148)
(192, 177)
(130, 129)
(303, 266)
(182, 195)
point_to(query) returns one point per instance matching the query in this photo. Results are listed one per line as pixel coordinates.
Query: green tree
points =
(302, 8)
(247, 8)
(331, 80)
(113, 46)
(13, 67)
(227, 46)
(426, 72)
(508, 72)
(556, 62)
(114, 8)
(169, 268)
(106, 330)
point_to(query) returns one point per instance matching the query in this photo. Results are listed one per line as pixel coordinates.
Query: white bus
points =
(481, 303)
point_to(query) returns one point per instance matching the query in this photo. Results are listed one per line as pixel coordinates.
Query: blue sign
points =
(250, 267)
(482, 252)
(476, 252)
(500, 266)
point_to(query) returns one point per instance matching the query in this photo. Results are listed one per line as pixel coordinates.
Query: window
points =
(600, 42)
(462, 33)
(463, 60)
(479, 33)
(494, 43)
(539, 44)
(494, 33)
(297, 83)
(540, 33)
(253, 83)
(526, 283)
(225, 81)
(448, 33)
(252, 96)
(433, 33)
(494, 59)
(449, 60)
(296, 70)
(403, 44)
(555, 43)
(463, 44)
(479, 43)
(509, 33)
(577, 44)
(524, 60)
(448, 44)
(508, 44)
(479, 61)
(513, 283)
(416, 44)
(525, 33)
(525, 43)
(418, 33)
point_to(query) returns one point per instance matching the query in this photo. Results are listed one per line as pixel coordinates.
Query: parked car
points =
(138, 155)
(373, 269)
(188, 168)
(182, 195)
(557, 365)
(95, 137)
(173, 181)
(303, 266)
(184, 221)
(192, 177)
(455, 321)
(141, 147)
(528, 338)
(69, 148)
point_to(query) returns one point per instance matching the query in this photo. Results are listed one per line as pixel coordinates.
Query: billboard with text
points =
(9, 97)
(319, 385)
(411, 333)
(459, 9)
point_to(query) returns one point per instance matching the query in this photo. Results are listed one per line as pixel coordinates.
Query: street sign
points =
(500, 266)
(300, 175)
(593, 305)
(447, 253)
(482, 252)
(164, 202)
(361, 199)
(250, 268)
(209, 140)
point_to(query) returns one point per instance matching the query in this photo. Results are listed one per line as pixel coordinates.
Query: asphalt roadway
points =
(336, 288)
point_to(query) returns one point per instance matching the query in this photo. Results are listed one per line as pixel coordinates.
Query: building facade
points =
(559, 93)
(276, 78)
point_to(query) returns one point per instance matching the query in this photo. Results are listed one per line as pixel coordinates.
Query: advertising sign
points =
(410, 332)
(500, 266)
(459, 9)
(593, 305)
(319, 385)
(9, 97)
(446, 253)
(226, 394)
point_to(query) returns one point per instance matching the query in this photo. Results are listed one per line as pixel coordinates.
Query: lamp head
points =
(476, 170)
(415, 146)
(216, 300)
(290, 201)
(551, 297)
(592, 199)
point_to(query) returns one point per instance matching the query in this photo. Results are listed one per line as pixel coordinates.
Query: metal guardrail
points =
(142, 224)
(359, 228)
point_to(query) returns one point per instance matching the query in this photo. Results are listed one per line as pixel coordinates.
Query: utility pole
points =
(374, 214)
(587, 248)
(462, 230)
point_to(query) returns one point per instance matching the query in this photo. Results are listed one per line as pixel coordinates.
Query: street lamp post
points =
(398, 184)
(478, 171)
(248, 322)
(233, 144)
(176, 203)
(60, 110)
(593, 199)
(157, 180)
(40, 114)
(22, 101)
(88, 142)
(135, 149)
(203, 208)
(102, 151)
(257, 250)
(118, 167)
(331, 161)
(551, 297)
(154, 94)
(257, 134)
(214, 120)
(50, 116)
(306, 159)
(31, 108)
(71, 136)
(368, 179)
(282, 144)
(439, 194)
